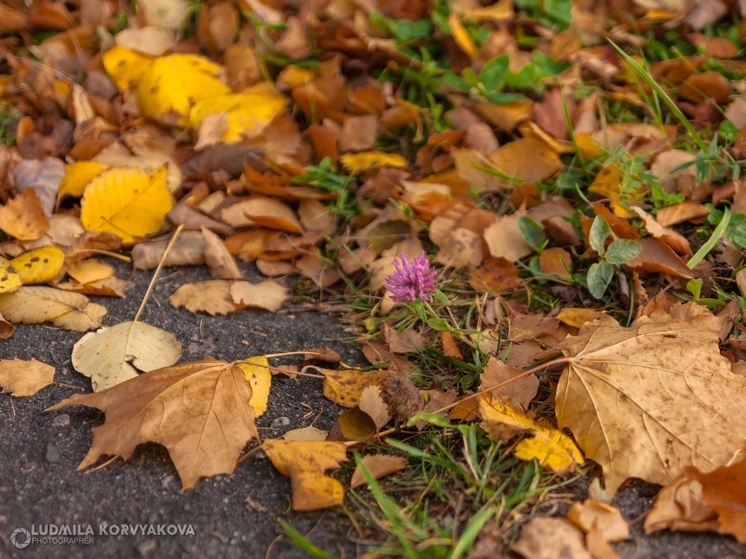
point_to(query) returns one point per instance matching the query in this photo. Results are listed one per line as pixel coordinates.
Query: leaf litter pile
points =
(531, 212)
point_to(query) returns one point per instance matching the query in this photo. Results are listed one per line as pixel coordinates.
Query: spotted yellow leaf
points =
(345, 386)
(39, 265)
(125, 66)
(256, 370)
(171, 85)
(551, 448)
(126, 202)
(78, 176)
(366, 160)
(9, 279)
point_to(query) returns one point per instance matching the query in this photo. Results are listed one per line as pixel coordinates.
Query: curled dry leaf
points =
(218, 259)
(25, 378)
(697, 502)
(199, 411)
(379, 465)
(605, 518)
(305, 463)
(114, 355)
(648, 400)
(188, 250)
(23, 217)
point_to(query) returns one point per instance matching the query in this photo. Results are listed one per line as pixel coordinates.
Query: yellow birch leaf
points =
(91, 270)
(9, 280)
(461, 36)
(125, 66)
(126, 202)
(39, 265)
(247, 113)
(256, 370)
(305, 463)
(24, 378)
(171, 85)
(550, 447)
(78, 176)
(34, 305)
(366, 160)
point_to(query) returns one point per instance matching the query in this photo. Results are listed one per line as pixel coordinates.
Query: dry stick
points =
(558, 361)
(157, 271)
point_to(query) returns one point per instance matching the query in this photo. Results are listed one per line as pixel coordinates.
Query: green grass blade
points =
(300, 540)
(712, 241)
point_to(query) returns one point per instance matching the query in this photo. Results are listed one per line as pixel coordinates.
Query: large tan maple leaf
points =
(199, 411)
(646, 401)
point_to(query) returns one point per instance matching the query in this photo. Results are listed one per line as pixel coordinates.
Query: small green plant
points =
(617, 253)
(325, 176)
(533, 233)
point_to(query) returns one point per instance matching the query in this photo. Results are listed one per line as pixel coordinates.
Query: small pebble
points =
(62, 420)
(53, 453)
(280, 422)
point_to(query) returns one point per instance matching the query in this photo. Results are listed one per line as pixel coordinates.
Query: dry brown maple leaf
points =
(648, 400)
(199, 411)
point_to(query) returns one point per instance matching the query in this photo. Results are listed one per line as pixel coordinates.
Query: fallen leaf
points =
(646, 401)
(364, 161)
(126, 202)
(9, 280)
(91, 270)
(39, 265)
(269, 294)
(211, 296)
(549, 447)
(345, 386)
(520, 391)
(379, 465)
(550, 538)
(25, 378)
(113, 355)
(188, 250)
(218, 259)
(199, 411)
(607, 519)
(307, 434)
(256, 370)
(34, 305)
(23, 217)
(697, 501)
(305, 463)
(504, 238)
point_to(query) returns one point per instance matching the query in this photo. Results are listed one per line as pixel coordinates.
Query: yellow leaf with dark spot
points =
(126, 202)
(9, 280)
(256, 370)
(125, 66)
(344, 386)
(39, 265)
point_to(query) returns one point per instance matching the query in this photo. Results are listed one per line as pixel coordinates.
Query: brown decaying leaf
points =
(305, 463)
(24, 378)
(23, 217)
(648, 400)
(218, 259)
(199, 411)
(211, 296)
(601, 516)
(188, 250)
(379, 465)
(269, 294)
(345, 386)
(697, 501)
(401, 396)
(520, 391)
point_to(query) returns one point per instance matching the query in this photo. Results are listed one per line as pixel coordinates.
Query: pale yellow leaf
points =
(114, 355)
(24, 378)
(34, 305)
(269, 294)
(211, 296)
(91, 270)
